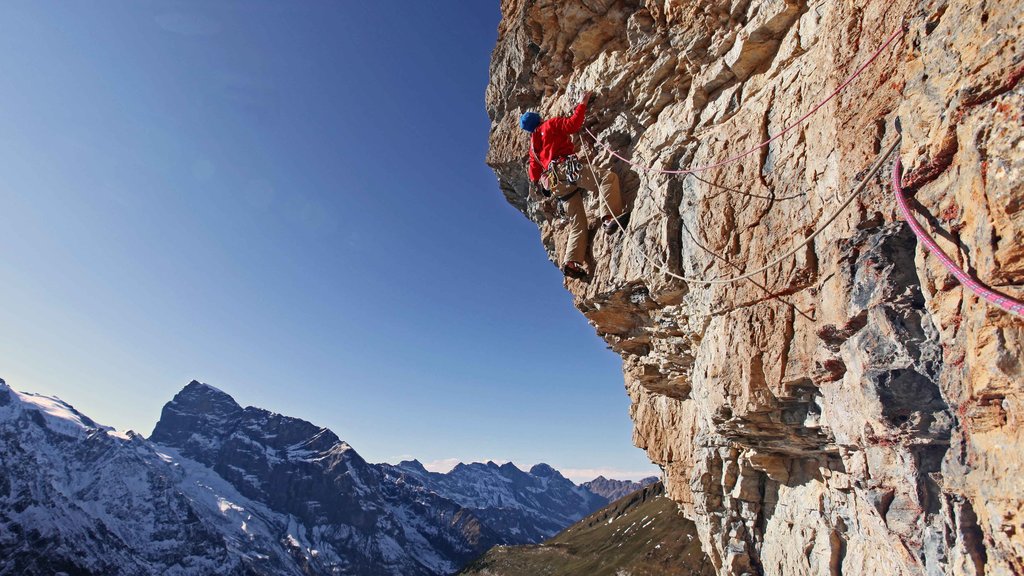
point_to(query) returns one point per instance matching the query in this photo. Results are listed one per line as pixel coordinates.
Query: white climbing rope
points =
(716, 281)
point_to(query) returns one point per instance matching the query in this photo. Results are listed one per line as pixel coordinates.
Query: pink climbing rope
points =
(1011, 305)
(900, 30)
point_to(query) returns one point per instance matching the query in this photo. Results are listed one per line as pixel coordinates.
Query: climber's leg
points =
(612, 197)
(576, 246)
(613, 218)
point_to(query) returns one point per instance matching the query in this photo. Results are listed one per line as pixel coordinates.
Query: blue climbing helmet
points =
(529, 121)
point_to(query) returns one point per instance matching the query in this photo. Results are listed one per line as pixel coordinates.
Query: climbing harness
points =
(1002, 301)
(571, 172)
(900, 31)
(567, 197)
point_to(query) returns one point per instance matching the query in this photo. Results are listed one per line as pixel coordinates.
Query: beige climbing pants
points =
(576, 247)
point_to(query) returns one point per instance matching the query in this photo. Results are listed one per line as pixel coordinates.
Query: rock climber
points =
(555, 169)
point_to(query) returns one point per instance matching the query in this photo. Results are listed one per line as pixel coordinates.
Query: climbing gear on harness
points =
(574, 269)
(1002, 301)
(570, 166)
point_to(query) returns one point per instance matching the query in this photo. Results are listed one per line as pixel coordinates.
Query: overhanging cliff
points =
(851, 410)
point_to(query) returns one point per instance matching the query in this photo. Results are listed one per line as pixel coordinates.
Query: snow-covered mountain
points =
(360, 520)
(223, 490)
(524, 507)
(78, 498)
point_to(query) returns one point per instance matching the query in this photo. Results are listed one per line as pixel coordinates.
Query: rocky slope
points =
(641, 534)
(850, 410)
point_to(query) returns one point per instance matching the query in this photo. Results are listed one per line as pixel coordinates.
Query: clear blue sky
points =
(289, 201)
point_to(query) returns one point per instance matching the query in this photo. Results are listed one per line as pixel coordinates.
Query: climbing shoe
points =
(613, 225)
(574, 269)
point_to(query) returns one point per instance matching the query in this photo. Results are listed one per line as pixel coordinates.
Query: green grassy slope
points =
(642, 534)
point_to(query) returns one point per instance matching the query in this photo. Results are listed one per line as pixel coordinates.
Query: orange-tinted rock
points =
(851, 410)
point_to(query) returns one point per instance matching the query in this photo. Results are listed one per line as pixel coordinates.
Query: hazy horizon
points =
(443, 466)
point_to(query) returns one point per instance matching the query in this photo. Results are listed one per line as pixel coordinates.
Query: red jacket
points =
(552, 140)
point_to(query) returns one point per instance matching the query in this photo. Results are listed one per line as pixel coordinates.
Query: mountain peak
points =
(413, 464)
(197, 387)
(196, 415)
(543, 471)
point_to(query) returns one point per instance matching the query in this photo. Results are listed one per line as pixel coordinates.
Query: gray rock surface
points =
(852, 409)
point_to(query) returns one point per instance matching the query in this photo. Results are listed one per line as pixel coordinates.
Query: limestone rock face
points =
(850, 410)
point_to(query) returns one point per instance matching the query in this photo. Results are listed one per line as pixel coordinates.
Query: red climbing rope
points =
(1011, 305)
(898, 33)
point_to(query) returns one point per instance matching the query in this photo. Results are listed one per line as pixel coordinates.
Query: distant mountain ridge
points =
(524, 507)
(221, 489)
(615, 489)
(352, 512)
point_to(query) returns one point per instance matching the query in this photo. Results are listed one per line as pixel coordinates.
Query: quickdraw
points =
(571, 168)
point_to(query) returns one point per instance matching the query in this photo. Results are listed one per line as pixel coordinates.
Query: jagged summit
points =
(197, 384)
(544, 471)
(507, 467)
(201, 418)
(196, 420)
(530, 506)
(198, 397)
(413, 464)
